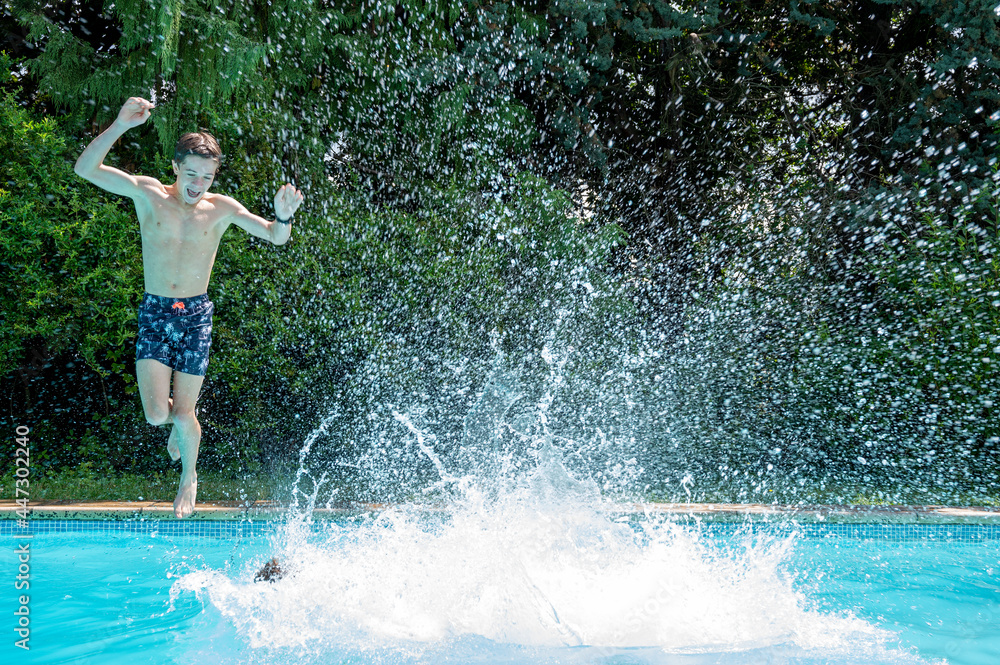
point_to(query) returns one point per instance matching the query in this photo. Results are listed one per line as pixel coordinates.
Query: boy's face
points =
(195, 175)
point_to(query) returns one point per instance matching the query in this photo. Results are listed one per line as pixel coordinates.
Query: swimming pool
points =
(403, 586)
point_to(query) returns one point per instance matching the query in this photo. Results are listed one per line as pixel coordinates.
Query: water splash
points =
(519, 557)
(546, 569)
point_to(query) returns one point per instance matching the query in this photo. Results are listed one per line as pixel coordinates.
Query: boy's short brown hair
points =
(201, 144)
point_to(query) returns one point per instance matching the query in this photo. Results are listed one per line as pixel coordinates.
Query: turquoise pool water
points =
(403, 588)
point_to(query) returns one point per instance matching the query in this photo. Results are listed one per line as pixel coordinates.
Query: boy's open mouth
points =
(193, 194)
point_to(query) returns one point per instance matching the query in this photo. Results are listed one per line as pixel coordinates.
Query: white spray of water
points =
(544, 564)
(532, 558)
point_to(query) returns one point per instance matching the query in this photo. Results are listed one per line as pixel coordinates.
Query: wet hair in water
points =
(270, 572)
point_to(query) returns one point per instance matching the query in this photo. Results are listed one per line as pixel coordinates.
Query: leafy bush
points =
(71, 270)
(71, 256)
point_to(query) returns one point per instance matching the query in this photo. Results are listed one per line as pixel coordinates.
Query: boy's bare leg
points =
(187, 435)
(154, 390)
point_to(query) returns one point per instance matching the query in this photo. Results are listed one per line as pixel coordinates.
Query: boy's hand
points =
(134, 112)
(287, 201)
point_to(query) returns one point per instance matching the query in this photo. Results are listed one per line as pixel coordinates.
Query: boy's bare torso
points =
(179, 242)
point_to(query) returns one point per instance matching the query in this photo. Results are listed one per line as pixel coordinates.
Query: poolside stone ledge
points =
(716, 512)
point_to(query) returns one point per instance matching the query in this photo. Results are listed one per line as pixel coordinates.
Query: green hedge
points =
(71, 255)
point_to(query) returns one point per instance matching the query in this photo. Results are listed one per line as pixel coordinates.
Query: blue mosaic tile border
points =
(906, 532)
(972, 533)
(167, 528)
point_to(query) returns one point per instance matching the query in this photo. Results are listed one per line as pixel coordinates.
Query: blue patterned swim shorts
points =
(176, 332)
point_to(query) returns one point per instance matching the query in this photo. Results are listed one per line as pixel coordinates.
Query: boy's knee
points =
(157, 414)
(184, 417)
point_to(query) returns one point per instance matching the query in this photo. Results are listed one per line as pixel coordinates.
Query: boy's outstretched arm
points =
(90, 165)
(286, 201)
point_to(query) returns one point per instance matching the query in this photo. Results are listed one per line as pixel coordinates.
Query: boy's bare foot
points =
(186, 493)
(172, 449)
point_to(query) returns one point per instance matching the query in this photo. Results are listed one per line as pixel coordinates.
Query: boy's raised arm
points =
(286, 201)
(90, 165)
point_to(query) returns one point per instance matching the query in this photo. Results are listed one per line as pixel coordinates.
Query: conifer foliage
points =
(652, 103)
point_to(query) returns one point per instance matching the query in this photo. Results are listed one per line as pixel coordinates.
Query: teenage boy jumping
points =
(181, 225)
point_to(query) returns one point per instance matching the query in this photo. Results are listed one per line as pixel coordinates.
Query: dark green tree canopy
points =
(651, 104)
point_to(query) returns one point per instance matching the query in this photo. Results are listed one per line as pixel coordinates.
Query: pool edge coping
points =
(269, 510)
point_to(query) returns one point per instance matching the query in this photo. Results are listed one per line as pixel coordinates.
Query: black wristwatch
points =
(282, 221)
